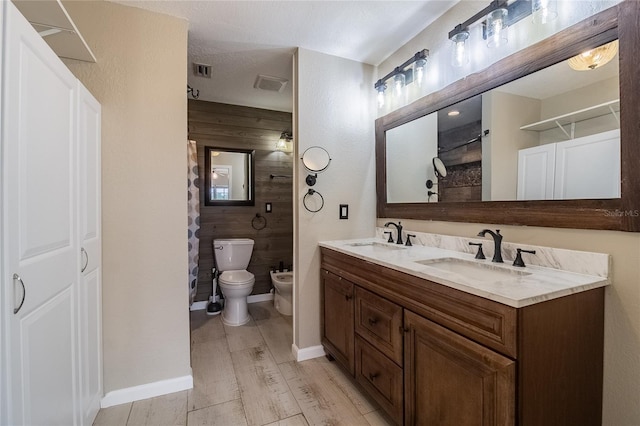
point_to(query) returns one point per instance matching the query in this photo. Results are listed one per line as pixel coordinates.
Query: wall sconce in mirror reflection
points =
(496, 18)
(410, 71)
(285, 142)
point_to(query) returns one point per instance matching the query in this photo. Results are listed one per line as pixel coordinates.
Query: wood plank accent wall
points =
(232, 126)
(463, 163)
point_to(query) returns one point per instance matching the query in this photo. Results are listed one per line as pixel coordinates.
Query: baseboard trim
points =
(307, 353)
(199, 306)
(150, 390)
(255, 298)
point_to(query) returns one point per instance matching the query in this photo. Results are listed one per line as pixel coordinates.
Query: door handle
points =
(86, 256)
(24, 293)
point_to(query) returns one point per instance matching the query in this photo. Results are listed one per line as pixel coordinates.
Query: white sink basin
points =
(473, 270)
(378, 246)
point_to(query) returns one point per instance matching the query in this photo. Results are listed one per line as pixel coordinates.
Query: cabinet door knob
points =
(372, 376)
(372, 321)
(347, 297)
(403, 329)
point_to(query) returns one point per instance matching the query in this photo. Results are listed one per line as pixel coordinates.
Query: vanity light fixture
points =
(594, 58)
(403, 75)
(496, 27)
(496, 18)
(284, 141)
(543, 11)
(459, 51)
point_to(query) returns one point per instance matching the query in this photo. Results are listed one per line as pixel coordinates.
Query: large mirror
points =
(229, 177)
(553, 134)
(498, 158)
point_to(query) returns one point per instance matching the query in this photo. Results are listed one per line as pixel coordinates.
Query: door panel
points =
(451, 380)
(47, 363)
(39, 203)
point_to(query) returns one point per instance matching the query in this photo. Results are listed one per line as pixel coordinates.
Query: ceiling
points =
(241, 39)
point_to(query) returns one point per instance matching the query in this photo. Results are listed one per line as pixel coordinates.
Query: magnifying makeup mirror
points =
(440, 171)
(439, 168)
(315, 159)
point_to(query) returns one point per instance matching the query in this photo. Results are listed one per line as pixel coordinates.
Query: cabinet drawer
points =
(381, 378)
(379, 322)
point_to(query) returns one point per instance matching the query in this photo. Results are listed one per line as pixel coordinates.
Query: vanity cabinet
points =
(432, 354)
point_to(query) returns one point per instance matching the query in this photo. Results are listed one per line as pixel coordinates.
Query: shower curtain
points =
(193, 203)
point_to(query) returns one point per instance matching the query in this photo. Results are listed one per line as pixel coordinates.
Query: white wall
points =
(500, 147)
(334, 109)
(414, 145)
(621, 405)
(140, 80)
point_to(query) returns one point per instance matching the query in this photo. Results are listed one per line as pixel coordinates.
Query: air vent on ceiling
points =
(202, 70)
(274, 84)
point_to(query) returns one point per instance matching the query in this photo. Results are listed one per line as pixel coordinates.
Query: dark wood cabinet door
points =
(452, 381)
(338, 319)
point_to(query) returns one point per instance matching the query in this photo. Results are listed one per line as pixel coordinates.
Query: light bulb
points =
(381, 88)
(398, 84)
(459, 53)
(419, 68)
(281, 145)
(497, 28)
(543, 11)
(380, 98)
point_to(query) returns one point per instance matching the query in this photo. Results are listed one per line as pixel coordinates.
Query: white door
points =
(536, 172)
(90, 282)
(588, 167)
(39, 227)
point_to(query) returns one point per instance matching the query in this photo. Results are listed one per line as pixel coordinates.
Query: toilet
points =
(236, 283)
(283, 297)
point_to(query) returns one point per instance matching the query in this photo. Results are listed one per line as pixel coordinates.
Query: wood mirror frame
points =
(623, 214)
(250, 169)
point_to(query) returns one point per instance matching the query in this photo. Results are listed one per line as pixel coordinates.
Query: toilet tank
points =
(232, 254)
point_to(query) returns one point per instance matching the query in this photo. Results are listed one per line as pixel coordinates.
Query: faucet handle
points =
(480, 253)
(518, 260)
(408, 243)
(390, 240)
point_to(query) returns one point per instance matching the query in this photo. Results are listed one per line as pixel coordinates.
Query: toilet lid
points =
(237, 277)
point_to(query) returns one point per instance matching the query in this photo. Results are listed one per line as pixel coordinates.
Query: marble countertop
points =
(516, 286)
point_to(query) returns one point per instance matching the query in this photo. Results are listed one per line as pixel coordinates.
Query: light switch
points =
(344, 211)
(267, 207)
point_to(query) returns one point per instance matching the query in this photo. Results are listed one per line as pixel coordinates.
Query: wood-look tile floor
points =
(247, 376)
